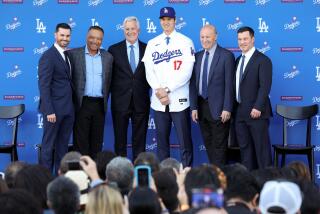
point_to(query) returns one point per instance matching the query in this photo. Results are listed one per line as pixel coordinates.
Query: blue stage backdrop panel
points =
(286, 30)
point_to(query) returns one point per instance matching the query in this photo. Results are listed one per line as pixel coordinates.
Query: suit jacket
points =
(55, 84)
(255, 87)
(220, 81)
(125, 84)
(78, 65)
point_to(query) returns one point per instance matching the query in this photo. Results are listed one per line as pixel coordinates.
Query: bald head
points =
(208, 36)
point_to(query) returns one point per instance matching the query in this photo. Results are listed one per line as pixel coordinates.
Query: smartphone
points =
(142, 175)
(74, 165)
(207, 197)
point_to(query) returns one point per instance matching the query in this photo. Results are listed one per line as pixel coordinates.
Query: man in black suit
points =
(211, 94)
(56, 99)
(129, 90)
(252, 86)
(91, 77)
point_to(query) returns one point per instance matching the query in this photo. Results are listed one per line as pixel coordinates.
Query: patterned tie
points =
(204, 91)
(67, 61)
(240, 77)
(167, 40)
(132, 59)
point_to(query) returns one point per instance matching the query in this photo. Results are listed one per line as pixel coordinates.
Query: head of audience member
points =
(144, 200)
(245, 38)
(104, 200)
(280, 196)
(148, 158)
(131, 29)
(63, 196)
(167, 188)
(11, 172)
(211, 210)
(120, 171)
(3, 186)
(170, 163)
(94, 39)
(18, 201)
(266, 174)
(300, 169)
(34, 179)
(70, 156)
(311, 197)
(102, 160)
(63, 35)
(242, 186)
(203, 176)
(167, 19)
(208, 36)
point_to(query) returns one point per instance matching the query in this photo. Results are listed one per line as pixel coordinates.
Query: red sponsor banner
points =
(13, 97)
(19, 144)
(291, 49)
(232, 49)
(291, 1)
(68, 1)
(12, 1)
(235, 1)
(13, 49)
(123, 1)
(291, 98)
(178, 1)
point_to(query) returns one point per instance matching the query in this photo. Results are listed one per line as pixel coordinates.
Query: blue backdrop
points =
(286, 30)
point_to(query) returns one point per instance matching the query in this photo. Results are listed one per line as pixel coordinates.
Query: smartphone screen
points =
(74, 165)
(206, 197)
(142, 174)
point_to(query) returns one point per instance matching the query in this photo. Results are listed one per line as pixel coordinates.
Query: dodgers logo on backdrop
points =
(237, 24)
(202, 148)
(263, 27)
(262, 2)
(316, 50)
(205, 2)
(318, 171)
(315, 99)
(11, 122)
(151, 27)
(292, 25)
(94, 2)
(119, 27)
(40, 121)
(316, 1)
(166, 56)
(41, 50)
(318, 24)
(318, 73)
(13, 25)
(180, 23)
(292, 123)
(318, 122)
(36, 99)
(149, 2)
(13, 74)
(151, 123)
(41, 28)
(205, 22)
(39, 2)
(72, 23)
(291, 74)
(94, 22)
(152, 146)
(266, 47)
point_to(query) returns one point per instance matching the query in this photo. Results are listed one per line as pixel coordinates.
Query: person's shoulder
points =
(261, 56)
(76, 50)
(183, 38)
(116, 45)
(225, 51)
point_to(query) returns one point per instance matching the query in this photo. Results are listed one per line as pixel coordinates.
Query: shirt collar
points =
(135, 45)
(249, 53)
(60, 49)
(87, 51)
(212, 49)
(172, 34)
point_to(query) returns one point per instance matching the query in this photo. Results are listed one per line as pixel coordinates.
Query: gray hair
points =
(70, 156)
(120, 170)
(129, 19)
(170, 163)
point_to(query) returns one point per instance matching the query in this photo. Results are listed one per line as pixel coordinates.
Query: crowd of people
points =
(171, 189)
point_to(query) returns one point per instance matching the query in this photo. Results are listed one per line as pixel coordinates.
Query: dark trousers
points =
(55, 141)
(181, 122)
(139, 122)
(215, 134)
(254, 142)
(89, 126)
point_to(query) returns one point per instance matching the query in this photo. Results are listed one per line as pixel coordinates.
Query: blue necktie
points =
(167, 40)
(240, 77)
(204, 91)
(132, 59)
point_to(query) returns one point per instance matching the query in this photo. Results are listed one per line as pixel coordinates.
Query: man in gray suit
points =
(91, 77)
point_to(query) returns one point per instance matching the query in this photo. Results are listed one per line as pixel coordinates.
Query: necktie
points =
(167, 40)
(204, 91)
(240, 77)
(67, 61)
(132, 59)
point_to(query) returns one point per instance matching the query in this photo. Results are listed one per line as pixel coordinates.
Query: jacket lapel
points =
(124, 54)
(198, 68)
(66, 68)
(249, 64)
(214, 62)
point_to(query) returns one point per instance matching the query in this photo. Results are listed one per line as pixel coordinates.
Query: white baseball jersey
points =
(170, 65)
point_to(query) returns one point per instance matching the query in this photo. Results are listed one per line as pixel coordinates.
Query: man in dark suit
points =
(91, 77)
(129, 90)
(253, 109)
(211, 94)
(56, 105)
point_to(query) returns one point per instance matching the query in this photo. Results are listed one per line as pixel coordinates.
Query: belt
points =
(93, 98)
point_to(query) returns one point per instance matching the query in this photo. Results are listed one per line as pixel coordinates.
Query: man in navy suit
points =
(129, 90)
(211, 94)
(253, 108)
(56, 99)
